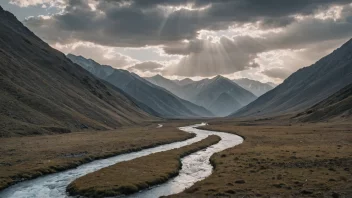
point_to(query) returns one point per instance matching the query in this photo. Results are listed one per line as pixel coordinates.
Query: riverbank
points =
(132, 176)
(279, 159)
(24, 158)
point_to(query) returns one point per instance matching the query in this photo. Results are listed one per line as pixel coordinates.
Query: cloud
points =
(102, 54)
(280, 73)
(212, 58)
(272, 38)
(299, 44)
(161, 22)
(26, 3)
(146, 66)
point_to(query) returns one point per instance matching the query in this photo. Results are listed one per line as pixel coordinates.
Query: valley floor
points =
(24, 158)
(279, 159)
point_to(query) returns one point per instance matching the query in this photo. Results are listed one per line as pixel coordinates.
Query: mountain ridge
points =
(44, 92)
(256, 87)
(305, 87)
(205, 92)
(159, 99)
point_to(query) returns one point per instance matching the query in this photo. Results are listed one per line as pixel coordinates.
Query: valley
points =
(89, 110)
(280, 159)
(24, 158)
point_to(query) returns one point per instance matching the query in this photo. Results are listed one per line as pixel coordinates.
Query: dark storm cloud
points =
(295, 36)
(139, 22)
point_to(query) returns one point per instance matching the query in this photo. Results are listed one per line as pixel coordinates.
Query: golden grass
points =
(281, 160)
(132, 176)
(24, 158)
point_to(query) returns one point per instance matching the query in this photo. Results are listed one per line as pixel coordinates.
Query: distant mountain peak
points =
(256, 87)
(148, 92)
(219, 77)
(158, 76)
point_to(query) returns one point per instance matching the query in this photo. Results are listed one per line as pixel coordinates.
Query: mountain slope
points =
(338, 105)
(183, 82)
(224, 105)
(160, 100)
(307, 86)
(169, 85)
(92, 66)
(205, 92)
(256, 87)
(44, 92)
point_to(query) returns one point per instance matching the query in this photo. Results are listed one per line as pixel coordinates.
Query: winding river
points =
(195, 167)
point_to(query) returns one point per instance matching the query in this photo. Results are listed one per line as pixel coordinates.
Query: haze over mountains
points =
(184, 81)
(256, 87)
(307, 86)
(159, 99)
(44, 92)
(219, 94)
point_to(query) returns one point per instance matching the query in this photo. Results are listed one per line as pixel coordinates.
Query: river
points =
(195, 167)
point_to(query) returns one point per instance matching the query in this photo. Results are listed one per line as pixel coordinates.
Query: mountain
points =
(224, 105)
(184, 81)
(271, 84)
(42, 91)
(92, 66)
(159, 99)
(337, 106)
(169, 85)
(256, 87)
(305, 87)
(207, 91)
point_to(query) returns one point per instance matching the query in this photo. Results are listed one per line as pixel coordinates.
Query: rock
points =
(306, 192)
(230, 191)
(83, 126)
(335, 195)
(332, 169)
(241, 181)
(281, 185)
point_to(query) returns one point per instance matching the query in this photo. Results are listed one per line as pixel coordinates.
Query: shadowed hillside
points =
(338, 106)
(305, 87)
(44, 92)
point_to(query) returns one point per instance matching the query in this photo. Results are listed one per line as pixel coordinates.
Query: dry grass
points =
(28, 157)
(281, 160)
(132, 176)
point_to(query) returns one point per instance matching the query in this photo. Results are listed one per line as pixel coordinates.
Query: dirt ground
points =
(23, 158)
(281, 159)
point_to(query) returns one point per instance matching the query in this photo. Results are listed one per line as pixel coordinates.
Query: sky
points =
(256, 39)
